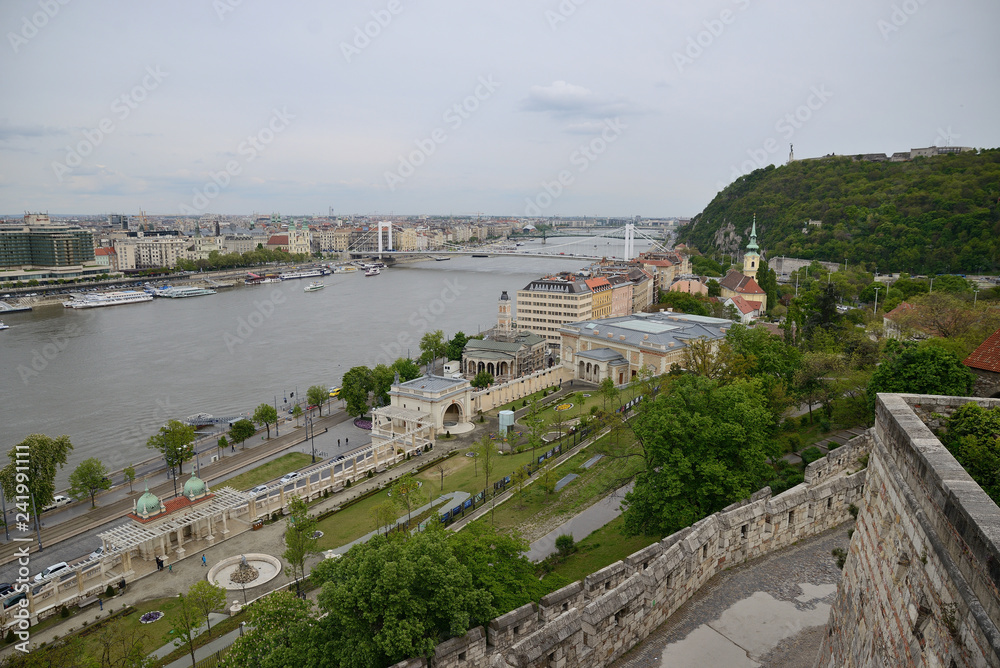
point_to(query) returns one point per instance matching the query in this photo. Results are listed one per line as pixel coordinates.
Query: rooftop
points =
(665, 329)
(987, 356)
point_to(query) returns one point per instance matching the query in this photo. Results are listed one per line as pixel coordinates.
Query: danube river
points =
(110, 377)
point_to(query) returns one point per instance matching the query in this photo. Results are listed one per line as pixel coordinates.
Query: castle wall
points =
(592, 623)
(920, 585)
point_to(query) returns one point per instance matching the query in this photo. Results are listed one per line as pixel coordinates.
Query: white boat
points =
(306, 273)
(108, 299)
(373, 271)
(345, 270)
(3, 326)
(181, 292)
(314, 286)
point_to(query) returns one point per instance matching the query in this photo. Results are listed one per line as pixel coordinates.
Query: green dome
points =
(195, 487)
(148, 504)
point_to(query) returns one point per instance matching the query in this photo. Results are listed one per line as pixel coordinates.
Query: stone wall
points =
(504, 393)
(922, 578)
(592, 623)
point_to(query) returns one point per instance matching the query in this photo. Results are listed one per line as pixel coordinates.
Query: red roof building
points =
(985, 363)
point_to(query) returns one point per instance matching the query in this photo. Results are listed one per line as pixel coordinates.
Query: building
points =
(505, 352)
(985, 363)
(743, 283)
(621, 296)
(142, 252)
(747, 311)
(40, 243)
(622, 348)
(107, 258)
(600, 303)
(689, 284)
(546, 304)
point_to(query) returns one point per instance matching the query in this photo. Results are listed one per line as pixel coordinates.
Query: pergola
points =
(405, 427)
(157, 536)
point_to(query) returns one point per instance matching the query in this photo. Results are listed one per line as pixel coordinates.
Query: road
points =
(71, 533)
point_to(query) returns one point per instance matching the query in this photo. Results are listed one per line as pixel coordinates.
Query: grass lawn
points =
(292, 461)
(601, 548)
(154, 635)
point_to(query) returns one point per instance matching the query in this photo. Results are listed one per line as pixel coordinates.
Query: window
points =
(829, 503)
(461, 656)
(743, 532)
(791, 517)
(704, 551)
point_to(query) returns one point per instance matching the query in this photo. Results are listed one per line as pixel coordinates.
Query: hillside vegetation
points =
(926, 216)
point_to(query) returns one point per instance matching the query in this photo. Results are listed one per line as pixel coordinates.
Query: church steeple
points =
(751, 259)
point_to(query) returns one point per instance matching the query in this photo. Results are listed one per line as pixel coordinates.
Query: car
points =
(258, 490)
(98, 553)
(51, 570)
(6, 588)
(58, 501)
(8, 602)
(288, 477)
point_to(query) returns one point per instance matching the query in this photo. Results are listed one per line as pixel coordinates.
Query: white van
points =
(51, 570)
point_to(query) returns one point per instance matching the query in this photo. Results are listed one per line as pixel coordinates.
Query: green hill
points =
(926, 216)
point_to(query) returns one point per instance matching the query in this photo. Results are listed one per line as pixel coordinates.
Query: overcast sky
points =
(585, 107)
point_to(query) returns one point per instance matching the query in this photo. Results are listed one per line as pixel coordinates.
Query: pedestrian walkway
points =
(823, 445)
(582, 524)
(214, 617)
(205, 651)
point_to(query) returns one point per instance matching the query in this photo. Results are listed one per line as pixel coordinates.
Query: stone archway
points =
(490, 369)
(471, 368)
(452, 415)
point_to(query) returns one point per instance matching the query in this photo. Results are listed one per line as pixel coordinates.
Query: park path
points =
(581, 525)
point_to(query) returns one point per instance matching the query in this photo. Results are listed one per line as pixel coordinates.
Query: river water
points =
(110, 377)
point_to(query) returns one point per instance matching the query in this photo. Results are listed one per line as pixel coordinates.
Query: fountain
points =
(246, 570)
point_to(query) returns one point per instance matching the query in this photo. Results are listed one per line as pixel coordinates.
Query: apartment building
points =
(545, 304)
(600, 303)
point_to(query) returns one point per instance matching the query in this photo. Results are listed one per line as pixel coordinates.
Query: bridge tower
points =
(629, 241)
(384, 224)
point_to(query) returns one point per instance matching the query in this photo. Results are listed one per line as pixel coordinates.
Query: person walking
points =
(204, 562)
(338, 442)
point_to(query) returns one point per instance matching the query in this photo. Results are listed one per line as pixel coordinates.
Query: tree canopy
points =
(41, 456)
(87, 479)
(920, 369)
(973, 437)
(266, 414)
(356, 385)
(241, 430)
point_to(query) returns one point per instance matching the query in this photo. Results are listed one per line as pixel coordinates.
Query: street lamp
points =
(975, 295)
(875, 310)
(312, 433)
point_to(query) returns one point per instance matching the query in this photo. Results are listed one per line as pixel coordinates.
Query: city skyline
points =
(568, 108)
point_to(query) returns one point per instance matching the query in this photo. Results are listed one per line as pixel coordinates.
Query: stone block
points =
(506, 630)
(561, 600)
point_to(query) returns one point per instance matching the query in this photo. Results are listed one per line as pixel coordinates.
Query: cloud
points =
(8, 130)
(566, 100)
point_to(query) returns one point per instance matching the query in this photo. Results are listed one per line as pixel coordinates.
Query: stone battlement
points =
(594, 622)
(921, 585)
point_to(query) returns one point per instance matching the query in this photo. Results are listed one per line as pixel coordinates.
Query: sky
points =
(447, 107)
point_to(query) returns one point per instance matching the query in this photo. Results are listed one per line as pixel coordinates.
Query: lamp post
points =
(975, 295)
(276, 420)
(3, 504)
(875, 310)
(312, 434)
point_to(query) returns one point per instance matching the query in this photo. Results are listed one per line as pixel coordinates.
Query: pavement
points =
(770, 612)
(823, 445)
(582, 524)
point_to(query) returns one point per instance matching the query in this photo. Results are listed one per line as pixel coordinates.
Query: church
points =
(743, 283)
(505, 352)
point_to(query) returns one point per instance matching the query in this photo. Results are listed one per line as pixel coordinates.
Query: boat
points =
(480, 255)
(181, 292)
(307, 273)
(442, 259)
(3, 326)
(345, 270)
(373, 271)
(115, 298)
(314, 286)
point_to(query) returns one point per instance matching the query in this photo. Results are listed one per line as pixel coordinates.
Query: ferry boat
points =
(181, 292)
(373, 271)
(254, 279)
(314, 286)
(348, 269)
(108, 299)
(306, 273)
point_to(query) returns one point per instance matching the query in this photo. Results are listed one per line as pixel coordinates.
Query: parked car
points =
(98, 553)
(288, 477)
(6, 588)
(8, 602)
(51, 570)
(59, 501)
(258, 490)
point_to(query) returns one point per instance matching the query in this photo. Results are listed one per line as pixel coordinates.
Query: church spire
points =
(751, 259)
(753, 236)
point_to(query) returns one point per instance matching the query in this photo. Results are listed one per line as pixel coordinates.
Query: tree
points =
(296, 413)
(407, 495)
(440, 468)
(299, 540)
(406, 368)
(382, 379)
(184, 625)
(207, 598)
(393, 598)
(714, 289)
(317, 395)
(536, 427)
(486, 450)
(175, 442)
(223, 443)
(457, 345)
(973, 437)
(814, 380)
(266, 414)
(704, 446)
(129, 472)
(278, 632)
(384, 514)
(482, 380)
(496, 561)
(356, 385)
(241, 430)
(120, 645)
(41, 456)
(519, 477)
(608, 391)
(925, 369)
(87, 479)
(432, 346)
